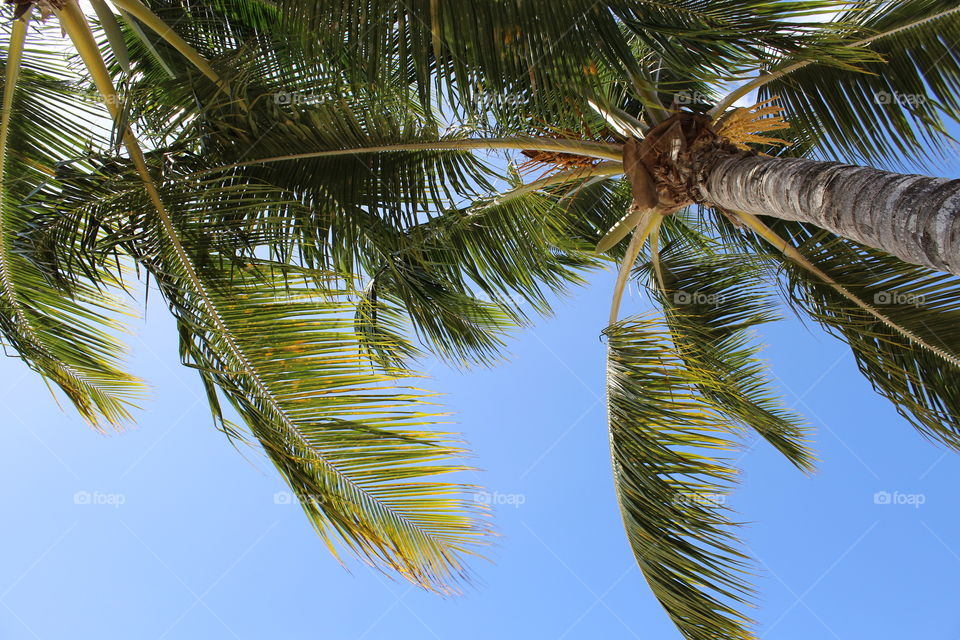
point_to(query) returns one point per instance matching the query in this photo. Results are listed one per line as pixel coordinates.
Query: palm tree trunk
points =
(915, 218)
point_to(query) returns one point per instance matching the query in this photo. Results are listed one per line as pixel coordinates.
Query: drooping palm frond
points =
(890, 110)
(354, 446)
(66, 336)
(284, 354)
(506, 255)
(919, 380)
(712, 301)
(672, 482)
(900, 320)
(460, 279)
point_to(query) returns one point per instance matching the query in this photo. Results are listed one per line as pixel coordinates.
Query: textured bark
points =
(915, 218)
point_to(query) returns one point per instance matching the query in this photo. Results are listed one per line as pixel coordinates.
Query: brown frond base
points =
(663, 166)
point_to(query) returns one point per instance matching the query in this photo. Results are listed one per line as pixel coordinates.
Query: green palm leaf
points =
(66, 336)
(713, 301)
(900, 320)
(283, 352)
(469, 275)
(671, 481)
(345, 433)
(918, 378)
(347, 439)
(892, 109)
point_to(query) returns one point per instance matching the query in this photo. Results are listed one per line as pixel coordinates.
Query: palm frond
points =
(672, 483)
(285, 359)
(712, 301)
(165, 31)
(498, 259)
(69, 337)
(459, 281)
(353, 443)
(900, 320)
(889, 110)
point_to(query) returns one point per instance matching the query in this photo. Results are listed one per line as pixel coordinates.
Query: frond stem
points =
(649, 221)
(75, 24)
(142, 13)
(18, 37)
(794, 255)
(602, 169)
(604, 150)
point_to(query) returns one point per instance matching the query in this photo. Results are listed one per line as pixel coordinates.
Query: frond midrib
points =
(794, 255)
(77, 28)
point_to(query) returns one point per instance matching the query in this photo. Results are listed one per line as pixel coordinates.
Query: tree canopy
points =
(324, 192)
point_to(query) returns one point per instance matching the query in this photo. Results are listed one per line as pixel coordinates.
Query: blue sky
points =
(181, 537)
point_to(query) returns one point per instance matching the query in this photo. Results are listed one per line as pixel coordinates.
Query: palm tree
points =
(317, 190)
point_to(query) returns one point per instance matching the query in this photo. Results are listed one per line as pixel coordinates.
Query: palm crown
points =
(317, 190)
